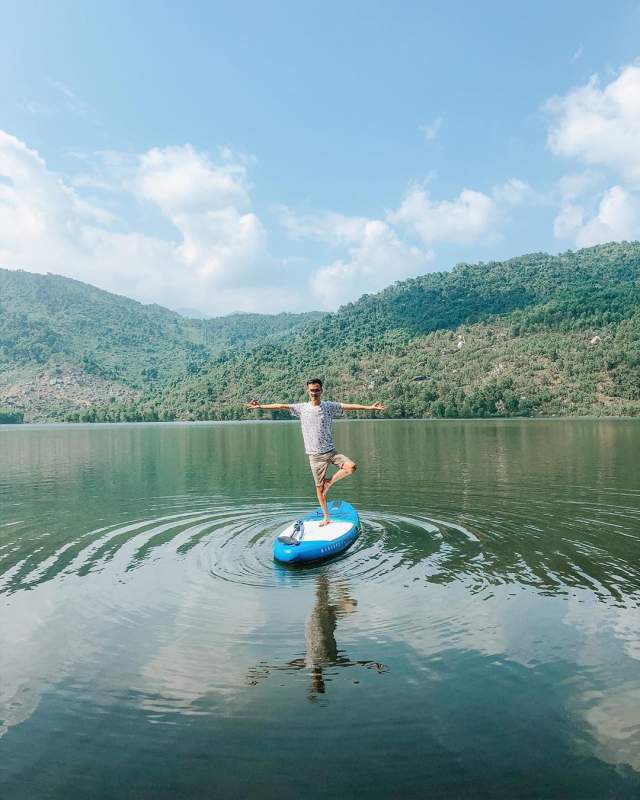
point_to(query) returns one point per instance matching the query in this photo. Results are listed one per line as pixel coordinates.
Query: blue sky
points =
(289, 156)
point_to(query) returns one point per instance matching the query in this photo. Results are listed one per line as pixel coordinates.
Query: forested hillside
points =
(66, 344)
(534, 335)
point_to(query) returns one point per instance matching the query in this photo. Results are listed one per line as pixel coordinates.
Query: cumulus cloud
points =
(600, 126)
(327, 226)
(181, 180)
(378, 259)
(568, 221)
(469, 217)
(41, 219)
(572, 186)
(219, 248)
(514, 192)
(205, 202)
(616, 219)
(377, 255)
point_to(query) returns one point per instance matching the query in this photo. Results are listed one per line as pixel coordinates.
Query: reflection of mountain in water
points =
(321, 648)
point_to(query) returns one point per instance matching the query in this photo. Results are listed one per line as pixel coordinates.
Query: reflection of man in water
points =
(316, 417)
(321, 648)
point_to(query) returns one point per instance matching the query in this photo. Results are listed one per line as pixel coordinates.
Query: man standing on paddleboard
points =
(316, 417)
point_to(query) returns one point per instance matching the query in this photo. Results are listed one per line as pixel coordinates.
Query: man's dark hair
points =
(314, 380)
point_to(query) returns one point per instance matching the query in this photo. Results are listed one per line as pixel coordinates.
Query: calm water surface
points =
(480, 640)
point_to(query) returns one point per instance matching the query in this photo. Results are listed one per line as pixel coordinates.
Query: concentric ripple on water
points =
(228, 540)
(231, 540)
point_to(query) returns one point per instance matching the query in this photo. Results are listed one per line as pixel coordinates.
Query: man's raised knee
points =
(351, 468)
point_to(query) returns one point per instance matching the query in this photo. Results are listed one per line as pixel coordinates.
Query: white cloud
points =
(378, 259)
(219, 250)
(225, 245)
(326, 226)
(514, 192)
(205, 202)
(375, 258)
(377, 255)
(40, 217)
(572, 186)
(431, 129)
(180, 180)
(469, 217)
(568, 221)
(617, 219)
(600, 126)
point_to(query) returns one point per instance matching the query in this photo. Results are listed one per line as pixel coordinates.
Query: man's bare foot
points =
(324, 522)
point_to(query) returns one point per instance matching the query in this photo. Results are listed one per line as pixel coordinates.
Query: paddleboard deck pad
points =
(306, 540)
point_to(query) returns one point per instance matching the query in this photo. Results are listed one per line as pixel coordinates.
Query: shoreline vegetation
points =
(11, 417)
(352, 418)
(536, 336)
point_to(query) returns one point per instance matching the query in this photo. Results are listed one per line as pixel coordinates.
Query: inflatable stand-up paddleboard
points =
(306, 540)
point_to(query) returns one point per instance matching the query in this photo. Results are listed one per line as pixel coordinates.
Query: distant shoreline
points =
(210, 422)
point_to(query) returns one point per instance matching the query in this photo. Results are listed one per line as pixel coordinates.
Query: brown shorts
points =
(319, 463)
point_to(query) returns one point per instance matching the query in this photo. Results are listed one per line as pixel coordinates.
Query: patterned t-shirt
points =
(316, 424)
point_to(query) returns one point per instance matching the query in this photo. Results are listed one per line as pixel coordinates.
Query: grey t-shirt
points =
(316, 424)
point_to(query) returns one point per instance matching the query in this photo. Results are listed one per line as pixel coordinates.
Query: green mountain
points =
(535, 335)
(65, 344)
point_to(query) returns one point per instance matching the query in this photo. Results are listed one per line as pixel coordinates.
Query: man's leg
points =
(319, 466)
(346, 467)
(323, 505)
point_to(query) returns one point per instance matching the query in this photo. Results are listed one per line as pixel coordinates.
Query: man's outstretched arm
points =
(269, 406)
(357, 407)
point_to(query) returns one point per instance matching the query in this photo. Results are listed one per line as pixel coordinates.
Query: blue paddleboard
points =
(305, 540)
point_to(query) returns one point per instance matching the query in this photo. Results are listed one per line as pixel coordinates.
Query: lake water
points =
(480, 640)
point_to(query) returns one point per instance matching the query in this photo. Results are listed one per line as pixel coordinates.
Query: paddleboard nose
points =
(286, 554)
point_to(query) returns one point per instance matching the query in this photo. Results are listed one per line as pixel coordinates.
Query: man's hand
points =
(253, 404)
(377, 406)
